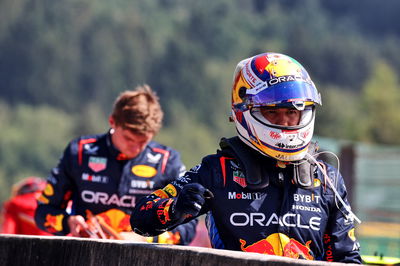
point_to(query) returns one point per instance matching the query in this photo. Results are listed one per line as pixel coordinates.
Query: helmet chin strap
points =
(304, 170)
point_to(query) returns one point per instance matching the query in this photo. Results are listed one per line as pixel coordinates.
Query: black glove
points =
(190, 201)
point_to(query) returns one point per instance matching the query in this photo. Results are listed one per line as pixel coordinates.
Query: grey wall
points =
(18, 250)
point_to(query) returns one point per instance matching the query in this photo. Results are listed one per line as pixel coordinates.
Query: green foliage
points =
(339, 115)
(32, 141)
(191, 138)
(380, 99)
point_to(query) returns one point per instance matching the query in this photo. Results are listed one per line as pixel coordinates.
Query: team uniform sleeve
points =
(175, 166)
(340, 242)
(151, 216)
(51, 215)
(185, 233)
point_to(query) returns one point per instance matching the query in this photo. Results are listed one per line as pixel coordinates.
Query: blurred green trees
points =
(62, 63)
(380, 105)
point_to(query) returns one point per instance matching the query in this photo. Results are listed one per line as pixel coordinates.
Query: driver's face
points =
(282, 116)
(129, 143)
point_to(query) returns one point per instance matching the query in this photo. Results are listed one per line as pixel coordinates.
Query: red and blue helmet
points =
(277, 81)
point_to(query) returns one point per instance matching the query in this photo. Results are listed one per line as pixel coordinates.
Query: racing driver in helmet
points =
(264, 190)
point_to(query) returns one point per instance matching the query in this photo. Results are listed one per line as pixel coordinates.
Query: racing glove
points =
(189, 201)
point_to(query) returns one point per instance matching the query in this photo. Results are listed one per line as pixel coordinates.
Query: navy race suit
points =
(97, 177)
(280, 219)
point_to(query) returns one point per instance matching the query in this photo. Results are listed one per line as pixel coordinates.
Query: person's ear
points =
(111, 121)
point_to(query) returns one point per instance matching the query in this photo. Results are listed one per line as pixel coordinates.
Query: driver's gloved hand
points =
(189, 201)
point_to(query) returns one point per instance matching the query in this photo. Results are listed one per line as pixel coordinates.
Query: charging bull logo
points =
(281, 245)
(117, 219)
(53, 223)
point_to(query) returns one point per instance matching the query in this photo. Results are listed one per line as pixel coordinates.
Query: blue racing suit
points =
(95, 176)
(280, 218)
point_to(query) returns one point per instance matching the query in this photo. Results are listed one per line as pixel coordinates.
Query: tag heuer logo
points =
(239, 178)
(97, 164)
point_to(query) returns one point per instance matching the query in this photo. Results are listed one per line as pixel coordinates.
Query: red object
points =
(18, 215)
(201, 239)
(19, 211)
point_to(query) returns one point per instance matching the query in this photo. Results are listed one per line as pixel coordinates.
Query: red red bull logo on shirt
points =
(117, 219)
(281, 245)
(53, 223)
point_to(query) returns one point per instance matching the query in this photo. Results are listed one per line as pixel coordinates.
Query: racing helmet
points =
(28, 185)
(273, 80)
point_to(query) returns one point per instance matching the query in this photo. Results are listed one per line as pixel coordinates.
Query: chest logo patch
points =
(239, 178)
(144, 171)
(89, 149)
(317, 182)
(97, 164)
(153, 158)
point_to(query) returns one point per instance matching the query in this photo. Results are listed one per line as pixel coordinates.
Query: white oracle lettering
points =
(253, 218)
(299, 223)
(298, 78)
(239, 214)
(284, 219)
(103, 198)
(273, 81)
(88, 196)
(282, 79)
(127, 201)
(274, 219)
(315, 223)
(290, 78)
(113, 200)
(285, 79)
(289, 220)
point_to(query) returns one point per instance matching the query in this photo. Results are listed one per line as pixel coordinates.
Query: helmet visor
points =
(290, 91)
(305, 118)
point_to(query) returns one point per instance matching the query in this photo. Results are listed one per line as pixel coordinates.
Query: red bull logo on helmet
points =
(281, 245)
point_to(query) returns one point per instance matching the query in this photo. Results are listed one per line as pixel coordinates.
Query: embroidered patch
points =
(97, 164)
(239, 178)
(144, 171)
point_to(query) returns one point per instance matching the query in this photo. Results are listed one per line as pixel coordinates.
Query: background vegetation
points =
(62, 63)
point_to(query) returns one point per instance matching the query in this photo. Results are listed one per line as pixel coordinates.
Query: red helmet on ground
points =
(28, 185)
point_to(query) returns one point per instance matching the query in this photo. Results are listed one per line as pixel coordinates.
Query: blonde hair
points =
(138, 110)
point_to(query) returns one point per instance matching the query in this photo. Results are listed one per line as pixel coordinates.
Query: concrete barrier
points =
(18, 250)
